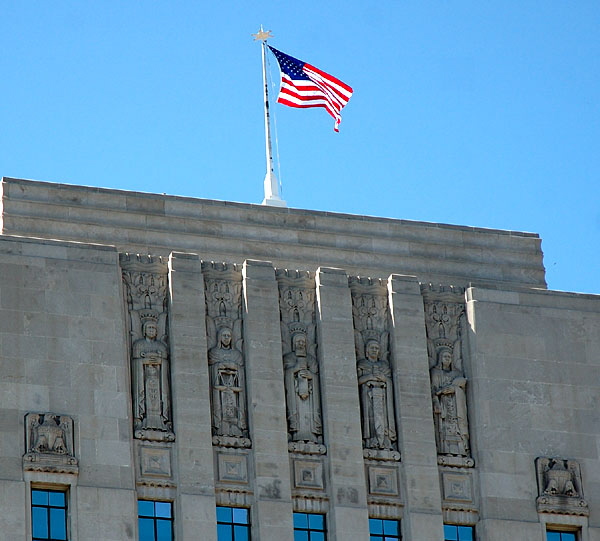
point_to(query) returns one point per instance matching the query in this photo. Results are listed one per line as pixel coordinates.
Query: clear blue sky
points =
(473, 113)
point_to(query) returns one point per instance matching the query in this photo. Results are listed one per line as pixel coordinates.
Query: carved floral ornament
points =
(559, 487)
(146, 292)
(371, 318)
(224, 329)
(301, 368)
(49, 443)
(445, 324)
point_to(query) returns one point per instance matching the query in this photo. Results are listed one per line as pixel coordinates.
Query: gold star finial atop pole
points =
(262, 35)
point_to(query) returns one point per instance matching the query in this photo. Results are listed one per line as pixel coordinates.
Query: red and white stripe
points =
(322, 90)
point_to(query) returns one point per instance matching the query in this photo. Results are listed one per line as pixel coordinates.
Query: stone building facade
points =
(212, 354)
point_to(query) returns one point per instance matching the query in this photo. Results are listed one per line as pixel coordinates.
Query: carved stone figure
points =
(302, 392)
(223, 287)
(444, 322)
(145, 281)
(449, 405)
(376, 388)
(301, 369)
(151, 387)
(559, 487)
(49, 443)
(559, 480)
(376, 398)
(227, 378)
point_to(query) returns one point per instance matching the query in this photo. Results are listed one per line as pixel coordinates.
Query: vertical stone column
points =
(272, 511)
(423, 513)
(195, 509)
(348, 516)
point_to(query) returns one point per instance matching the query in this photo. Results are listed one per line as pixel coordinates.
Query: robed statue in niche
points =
(301, 372)
(376, 392)
(448, 389)
(150, 357)
(228, 397)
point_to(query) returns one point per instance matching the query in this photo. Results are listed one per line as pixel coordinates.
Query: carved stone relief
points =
(559, 487)
(445, 321)
(223, 287)
(232, 468)
(49, 443)
(146, 286)
(376, 388)
(308, 474)
(301, 369)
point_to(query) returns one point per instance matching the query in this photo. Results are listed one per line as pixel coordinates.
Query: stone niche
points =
(145, 282)
(371, 318)
(300, 364)
(560, 489)
(49, 444)
(445, 323)
(226, 363)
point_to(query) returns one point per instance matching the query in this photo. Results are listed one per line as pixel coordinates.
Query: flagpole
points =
(271, 186)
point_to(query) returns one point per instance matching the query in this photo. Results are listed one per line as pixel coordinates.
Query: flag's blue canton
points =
(289, 65)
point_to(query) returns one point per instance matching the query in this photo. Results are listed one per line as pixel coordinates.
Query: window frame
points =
(375, 536)
(48, 490)
(308, 528)
(554, 529)
(155, 518)
(233, 523)
(457, 526)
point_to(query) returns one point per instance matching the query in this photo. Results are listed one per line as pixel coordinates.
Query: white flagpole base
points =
(272, 202)
(272, 192)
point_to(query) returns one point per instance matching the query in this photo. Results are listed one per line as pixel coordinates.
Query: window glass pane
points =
(224, 532)
(300, 535)
(164, 532)
(145, 508)
(40, 522)
(240, 515)
(375, 525)
(146, 527)
(450, 532)
(241, 533)
(300, 520)
(58, 525)
(317, 536)
(390, 527)
(316, 522)
(57, 499)
(568, 536)
(224, 514)
(162, 509)
(39, 497)
(465, 533)
(552, 536)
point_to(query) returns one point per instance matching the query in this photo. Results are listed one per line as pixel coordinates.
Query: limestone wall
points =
(311, 389)
(290, 238)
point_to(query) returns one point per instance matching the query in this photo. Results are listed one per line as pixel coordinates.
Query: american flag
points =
(303, 85)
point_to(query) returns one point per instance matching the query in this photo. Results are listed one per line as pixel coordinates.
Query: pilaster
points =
(272, 510)
(423, 515)
(195, 510)
(348, 516)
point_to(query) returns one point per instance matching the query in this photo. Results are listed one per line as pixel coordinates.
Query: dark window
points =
(384, 530)
(155, 520)
(309, 527)
(552, 535)
(458, 533)
(49, 515)
(233, 524)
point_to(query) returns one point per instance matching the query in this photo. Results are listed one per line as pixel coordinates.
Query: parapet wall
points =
(290, 238)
